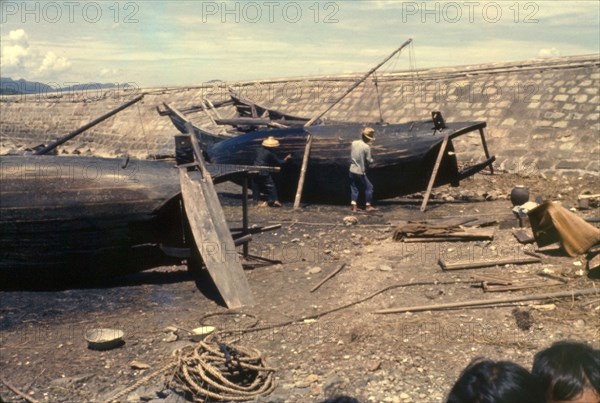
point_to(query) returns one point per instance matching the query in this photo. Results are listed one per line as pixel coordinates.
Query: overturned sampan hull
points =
(82, 216)
(404, 157)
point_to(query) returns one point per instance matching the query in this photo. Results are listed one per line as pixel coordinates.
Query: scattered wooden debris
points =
(524, 236)
(493, 302)
(492, 279)
(470, 264)
(428, 231)
(336, 271)
(520, 285)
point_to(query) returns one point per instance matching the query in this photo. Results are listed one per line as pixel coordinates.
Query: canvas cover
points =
(552, 223)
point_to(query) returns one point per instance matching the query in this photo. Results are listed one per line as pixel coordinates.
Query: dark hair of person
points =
(566, 368)
(486, 381)
(341, 399)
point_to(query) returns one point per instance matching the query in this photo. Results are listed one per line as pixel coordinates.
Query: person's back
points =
(360, 154)
(495, 382)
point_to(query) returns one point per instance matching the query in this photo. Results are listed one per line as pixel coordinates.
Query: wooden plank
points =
(486, 263)
(492, 302)
(211, 232)
(492, 279)
(524, 236)
(521, 286)
(213, 239)
(436, 167)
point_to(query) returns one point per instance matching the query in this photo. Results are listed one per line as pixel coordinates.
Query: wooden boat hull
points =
(82, 216)
(404, 156)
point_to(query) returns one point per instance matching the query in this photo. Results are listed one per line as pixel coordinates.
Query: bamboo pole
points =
(481, 302)
(87, 126)
(359, 82)
(303, 171)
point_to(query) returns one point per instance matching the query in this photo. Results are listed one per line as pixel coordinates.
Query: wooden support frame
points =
(436, 167)
(245, 214)
(303, 171)
(485, 148)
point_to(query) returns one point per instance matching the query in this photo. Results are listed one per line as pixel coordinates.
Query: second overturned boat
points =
(409, 157)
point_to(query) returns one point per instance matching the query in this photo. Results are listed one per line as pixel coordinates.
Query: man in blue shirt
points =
(360, 156)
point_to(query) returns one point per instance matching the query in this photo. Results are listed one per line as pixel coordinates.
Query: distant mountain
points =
(8, 86)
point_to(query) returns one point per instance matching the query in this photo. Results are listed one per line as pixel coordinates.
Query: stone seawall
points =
(543, 115)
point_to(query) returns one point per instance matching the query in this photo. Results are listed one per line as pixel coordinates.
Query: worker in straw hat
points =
(264, 182)
(360, 157)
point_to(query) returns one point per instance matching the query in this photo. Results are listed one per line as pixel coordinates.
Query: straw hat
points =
(270, 142)
(368, 133)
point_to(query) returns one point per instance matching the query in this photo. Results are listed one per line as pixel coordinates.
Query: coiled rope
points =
(215, 370)
(199, 370)
(222, 372)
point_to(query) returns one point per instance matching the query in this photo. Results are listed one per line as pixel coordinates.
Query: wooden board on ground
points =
(471, 264)
(213, 238)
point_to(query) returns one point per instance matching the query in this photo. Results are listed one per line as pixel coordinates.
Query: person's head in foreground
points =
(486, 381)
(569, 372)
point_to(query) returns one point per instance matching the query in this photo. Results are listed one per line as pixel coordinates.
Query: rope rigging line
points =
(143, 130)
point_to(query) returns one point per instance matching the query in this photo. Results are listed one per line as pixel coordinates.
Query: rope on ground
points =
(17, 391)
(222, 372)
(141, 382)
(240, 332)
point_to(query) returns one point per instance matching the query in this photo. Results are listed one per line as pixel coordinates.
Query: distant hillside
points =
(8, 86)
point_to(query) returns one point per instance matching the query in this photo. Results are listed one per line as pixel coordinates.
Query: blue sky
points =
(168, 43)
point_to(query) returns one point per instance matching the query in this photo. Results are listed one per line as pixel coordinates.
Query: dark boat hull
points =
(83, 216)
(404, 156)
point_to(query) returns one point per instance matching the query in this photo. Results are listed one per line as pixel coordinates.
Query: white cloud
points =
(16, 50)
(19, 37)
(549, 52)
(54, 64)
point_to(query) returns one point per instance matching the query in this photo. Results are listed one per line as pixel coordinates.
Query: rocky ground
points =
(408, 357)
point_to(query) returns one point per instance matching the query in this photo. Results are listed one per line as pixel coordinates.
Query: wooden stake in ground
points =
(303, 171)
(328, 277)
(492, 302)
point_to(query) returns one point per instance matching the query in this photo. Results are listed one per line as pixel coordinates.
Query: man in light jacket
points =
(360, 156)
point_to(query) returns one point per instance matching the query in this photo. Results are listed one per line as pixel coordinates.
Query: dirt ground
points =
(408, 357)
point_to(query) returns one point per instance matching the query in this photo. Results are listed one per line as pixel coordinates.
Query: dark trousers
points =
(266, 185)
(360, 183)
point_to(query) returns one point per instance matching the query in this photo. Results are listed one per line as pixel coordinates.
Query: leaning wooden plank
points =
(213, 239)
(493, 302)
(486, 263)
